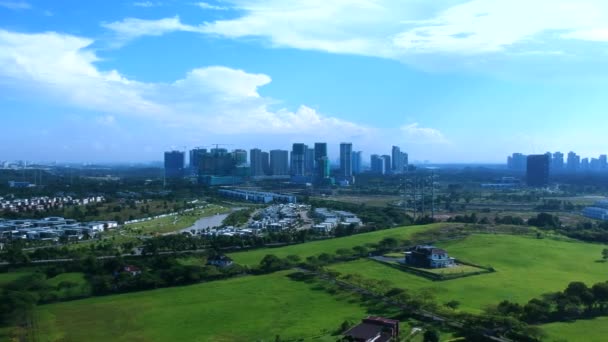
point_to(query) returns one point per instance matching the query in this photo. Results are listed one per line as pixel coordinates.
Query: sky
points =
(449, 81)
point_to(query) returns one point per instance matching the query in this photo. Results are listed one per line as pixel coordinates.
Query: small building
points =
(220, 261)
(429, 257)
(132, 270)
(374, 329)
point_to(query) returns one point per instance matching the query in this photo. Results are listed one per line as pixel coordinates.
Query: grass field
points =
(329, 246)
(594, 330)
(177, 222)
(6, 278)
(241, 309)
(526, 268)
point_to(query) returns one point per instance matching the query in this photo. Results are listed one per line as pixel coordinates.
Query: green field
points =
(177, 222)
(240, 309)
(329, 246)
(6, 278)
(526, 268)
(594, 330)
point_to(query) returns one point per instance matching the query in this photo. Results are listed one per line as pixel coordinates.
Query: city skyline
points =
(438, 78)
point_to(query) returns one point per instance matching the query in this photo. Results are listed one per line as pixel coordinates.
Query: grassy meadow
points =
(593, 330)
(255, 308)
(254, 257)
(526, 268)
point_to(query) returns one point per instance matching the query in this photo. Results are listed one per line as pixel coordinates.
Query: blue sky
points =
(448, 81)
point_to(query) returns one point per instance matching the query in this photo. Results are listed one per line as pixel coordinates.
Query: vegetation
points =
(241, 309)
(519, 261)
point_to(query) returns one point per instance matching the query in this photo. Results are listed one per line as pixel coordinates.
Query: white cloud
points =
(206, 5)
(15, 5)
(131, 28)
(147, 4)
(210, 100)
(413, 133)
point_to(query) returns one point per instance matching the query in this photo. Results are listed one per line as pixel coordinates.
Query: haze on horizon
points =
(447, 81)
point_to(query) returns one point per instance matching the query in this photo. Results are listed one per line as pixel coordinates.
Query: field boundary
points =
(434, 276)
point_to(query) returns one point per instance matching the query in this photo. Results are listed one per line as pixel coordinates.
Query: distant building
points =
(377, 164)
(240, 157)
(196, 155)
(174, 164)
(517, 162)
(429, 257)
(218, 162)
(257, 166)
(298, 159)
(598, 211)
(323, 169)
(574, 161)
(346, 160)
(320, 151)
(279, 162)
(537, 173)
(397, 160)
(221, 261)
(374, 329)
(266, 163)
(387, 163)
(356, 162)
(557, 162)
(257, 196)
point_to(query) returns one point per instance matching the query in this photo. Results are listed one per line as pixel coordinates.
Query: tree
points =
(605, 253)
(600, 292)
(271, 263)
(453, 304)
(431, 335)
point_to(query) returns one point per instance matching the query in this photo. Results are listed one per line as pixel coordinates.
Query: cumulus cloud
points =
(212, 99)
(414, 133)
(131, 28)
(15, 5)
(208, 6)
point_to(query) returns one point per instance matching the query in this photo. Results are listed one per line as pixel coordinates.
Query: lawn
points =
(594, 330)
(329, 246)
(241, 309)
(526, 268)
(6, 278)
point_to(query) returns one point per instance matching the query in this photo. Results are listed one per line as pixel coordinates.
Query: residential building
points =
(573, 162)
(174, 164)
(323, 169)
(356, 162)
(377, 164)
(557, 162)
(218, 162)
(279, 162)
(374, 329)
(346, 160)
(298, 159)
(387, 164)
(397, 160)
(196, 155)
(537, 170)
(320, 150)
(266, 163)
(309, 161)
(428, 256)
(240, 156)
(221, 261)
(257, 165)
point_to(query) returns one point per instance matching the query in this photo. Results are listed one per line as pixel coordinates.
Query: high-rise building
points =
(397, 160)
(266, 163)
(196, 155)
(323, 169)
(309, 161)
(518, 162)
(218, 162)
(574, 161)
(585, 163)
(377, 164)
(298, 159)
(406, 160)
(257, 164)
(175, 164)
(602, 162)
(557, 162)
(387, 164)
(356, 162)
(240, 156)
(320, 150)
(279, 162)
(537, 170)
(346, 160)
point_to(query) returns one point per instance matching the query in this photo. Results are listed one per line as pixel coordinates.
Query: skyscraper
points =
(356, 162)
(377, 164)
(573, 162)
(397, 162)
(265, 163)
(602, 161)
(387, 164)
(298, 159)
(257, 165)
(174, 164)
(557, 162)
(346, 160)
(537, 170)
(240, 156)
(196, 155)
(279, 162)
(323, 169)
(309, 162)
(518, 162)
(320, 150)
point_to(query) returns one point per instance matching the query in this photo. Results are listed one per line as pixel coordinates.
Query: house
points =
(373, 329)
(132, 270)
(428, 256)
(220, 261)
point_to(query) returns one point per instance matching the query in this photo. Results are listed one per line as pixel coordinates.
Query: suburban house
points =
(429, 257)
(132, 270)
(220, 261)
(373, 329)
